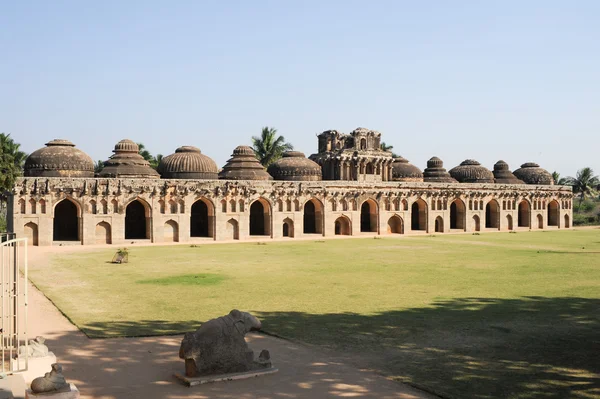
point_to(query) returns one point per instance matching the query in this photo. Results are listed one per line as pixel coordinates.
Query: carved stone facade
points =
(54, 210)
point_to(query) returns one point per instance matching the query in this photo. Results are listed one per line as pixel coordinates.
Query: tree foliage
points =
(145, 153)
(584, 183)
(559, 181)
(269, 147)
(12, 160)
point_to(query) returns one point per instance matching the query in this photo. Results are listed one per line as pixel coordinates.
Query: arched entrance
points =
(136, 221)
(458, 215)
(103, 233)
(553, 213)
(395, 225)
(418, 215)
(66, 221)
(540, 220)
(509, 222)
(439, 225)
(31, 233)
(567, 224)
(202, 218)
(524, 209)
(492, 215)
(288, 227)
(232, 229)
(476, 223)
(368, 216)
(343, 227)
(260, 218)
(171, 231)
(313, 217)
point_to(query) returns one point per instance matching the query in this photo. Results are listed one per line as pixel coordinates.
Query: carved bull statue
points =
(218, 346)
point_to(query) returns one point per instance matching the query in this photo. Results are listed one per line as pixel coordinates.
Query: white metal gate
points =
(13, 326)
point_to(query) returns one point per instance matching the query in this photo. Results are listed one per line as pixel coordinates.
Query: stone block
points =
(72, 393)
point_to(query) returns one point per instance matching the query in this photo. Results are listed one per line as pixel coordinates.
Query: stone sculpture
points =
(36, 348)
(52, 381)
(219, 347)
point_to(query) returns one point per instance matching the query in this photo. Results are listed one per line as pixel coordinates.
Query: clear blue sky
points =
(512, 80)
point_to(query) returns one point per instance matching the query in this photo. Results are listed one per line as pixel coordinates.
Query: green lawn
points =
(467, 316)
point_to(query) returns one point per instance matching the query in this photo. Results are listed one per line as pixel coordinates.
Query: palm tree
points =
(269, 147)
(12, 160)
(156, 161)
(145, 153)
(8, 146)
(559, 181)
(388, 148)
(98, 166)
(584, 183)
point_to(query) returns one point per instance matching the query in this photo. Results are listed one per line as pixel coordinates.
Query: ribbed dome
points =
(243, 165)
(436, 173)
(188, 163)
(503, 175)
(531, 173)
(127, 162)
(59, 158)
(471, 171)
(402, 170)
(296, 167)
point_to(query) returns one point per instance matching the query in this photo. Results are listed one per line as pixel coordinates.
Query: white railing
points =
(13, 325)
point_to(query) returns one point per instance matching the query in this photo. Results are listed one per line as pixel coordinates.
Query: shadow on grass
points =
(531, 347)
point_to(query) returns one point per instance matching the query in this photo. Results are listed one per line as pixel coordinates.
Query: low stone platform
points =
(36, 366)
(192, 381)
(72, 393)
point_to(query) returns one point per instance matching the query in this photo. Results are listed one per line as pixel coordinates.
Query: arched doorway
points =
(171, 231)
(418, 215)
(232, 229)
(31, 233)
(313, 217)
(524, 208)
(458, 215)
(567, 224)
(288, 227)
(476, 223)
(540, 220)
(66, 221)
(553, 213)
(343, 226)
(136, 221)
(103, 233)
(492, 215)
(368, 216)
(260, 218)
(202, 218)
(439, 225)
(509, 222)
(395, 225)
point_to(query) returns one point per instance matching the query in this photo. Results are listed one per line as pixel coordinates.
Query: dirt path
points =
(143, 367)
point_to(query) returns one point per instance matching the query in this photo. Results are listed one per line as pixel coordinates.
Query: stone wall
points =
(102, 205)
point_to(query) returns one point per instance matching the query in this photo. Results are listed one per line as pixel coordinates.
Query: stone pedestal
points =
(36, 367)
(72, 393)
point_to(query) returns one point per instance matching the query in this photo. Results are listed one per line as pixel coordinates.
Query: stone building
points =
(350, 187)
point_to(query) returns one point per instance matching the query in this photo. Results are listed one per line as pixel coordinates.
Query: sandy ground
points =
(144, 367)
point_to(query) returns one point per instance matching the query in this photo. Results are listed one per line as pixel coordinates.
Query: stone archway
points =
(103, 233)
(260, 218)
(458, 215)
(31, 233)
(137, 214)
(418, 215)
(202, 218)
(439, 224)
(343, 226)
(66, 221)
(395, 225)
(232, 229)
(476, 223)
(567, 222)
(492, 215)
(553, 213)
(288, 227)
(509, 222)
(540, 220)
(368, 216)
(313, 217)
(524, 210)
(171, 231)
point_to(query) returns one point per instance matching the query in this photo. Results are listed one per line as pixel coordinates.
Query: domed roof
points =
(471, 171)
(531, 173)
(188, 163)
(243, 165)
(127, 162)
(402, 170)
(435, 172)
(59, 158)
(294, 165)
(503, 175)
